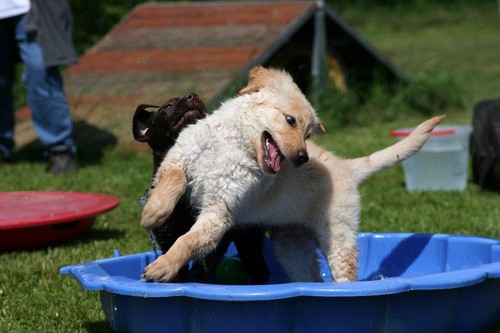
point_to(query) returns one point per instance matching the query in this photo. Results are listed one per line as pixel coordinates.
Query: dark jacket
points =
(52, 23)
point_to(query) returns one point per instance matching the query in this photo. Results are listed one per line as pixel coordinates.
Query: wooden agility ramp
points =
(162, 50)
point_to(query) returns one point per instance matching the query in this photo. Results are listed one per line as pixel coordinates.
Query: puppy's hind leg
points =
(295, 249)
(168, 187)
(339, 245)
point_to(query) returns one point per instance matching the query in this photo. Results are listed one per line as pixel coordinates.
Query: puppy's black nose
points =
(192, 96)
(302, 157)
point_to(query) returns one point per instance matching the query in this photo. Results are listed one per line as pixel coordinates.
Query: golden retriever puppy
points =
(250, 163)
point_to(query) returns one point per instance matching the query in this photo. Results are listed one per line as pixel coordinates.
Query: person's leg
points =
(45, 93)
(47, 101)
(7, 70)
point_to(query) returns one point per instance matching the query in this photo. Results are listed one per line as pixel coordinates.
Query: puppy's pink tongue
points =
(274, 157)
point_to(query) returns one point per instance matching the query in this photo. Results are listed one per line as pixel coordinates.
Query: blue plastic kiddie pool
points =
(407, 283)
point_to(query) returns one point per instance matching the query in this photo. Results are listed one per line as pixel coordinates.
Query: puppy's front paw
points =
(158, 271)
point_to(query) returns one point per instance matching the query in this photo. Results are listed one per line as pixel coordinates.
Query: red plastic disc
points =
(37, 218)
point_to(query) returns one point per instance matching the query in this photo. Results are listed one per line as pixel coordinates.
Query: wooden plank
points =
(166, 60)
(190, 37)
(179, 15)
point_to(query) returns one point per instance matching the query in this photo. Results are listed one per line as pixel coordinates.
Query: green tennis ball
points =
(231, 271)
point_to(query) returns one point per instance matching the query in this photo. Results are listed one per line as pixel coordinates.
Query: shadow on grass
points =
(98, 327)
(89, 236)
(92, 235)
(91, 141)
(102, 234)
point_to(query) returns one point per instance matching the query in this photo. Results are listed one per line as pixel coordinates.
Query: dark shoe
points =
(4, 159)
(61, 160)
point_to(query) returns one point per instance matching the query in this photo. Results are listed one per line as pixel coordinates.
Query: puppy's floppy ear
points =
(141, 122)
(255, 81)
(317, 127)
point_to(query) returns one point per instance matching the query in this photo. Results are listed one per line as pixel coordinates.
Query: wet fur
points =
(221, 165)
(156, 126)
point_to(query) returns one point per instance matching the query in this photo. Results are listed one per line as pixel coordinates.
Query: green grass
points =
(451, 48)
(33, 297)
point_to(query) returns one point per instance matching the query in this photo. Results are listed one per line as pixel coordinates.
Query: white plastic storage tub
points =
(442, 162)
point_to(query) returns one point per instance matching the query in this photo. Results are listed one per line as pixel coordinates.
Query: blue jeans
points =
(44, 86)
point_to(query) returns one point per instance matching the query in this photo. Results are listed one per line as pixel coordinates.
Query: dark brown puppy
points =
(159, 129)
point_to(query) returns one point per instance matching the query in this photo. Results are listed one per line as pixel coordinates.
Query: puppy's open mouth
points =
(190, 117)
(272, 154)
